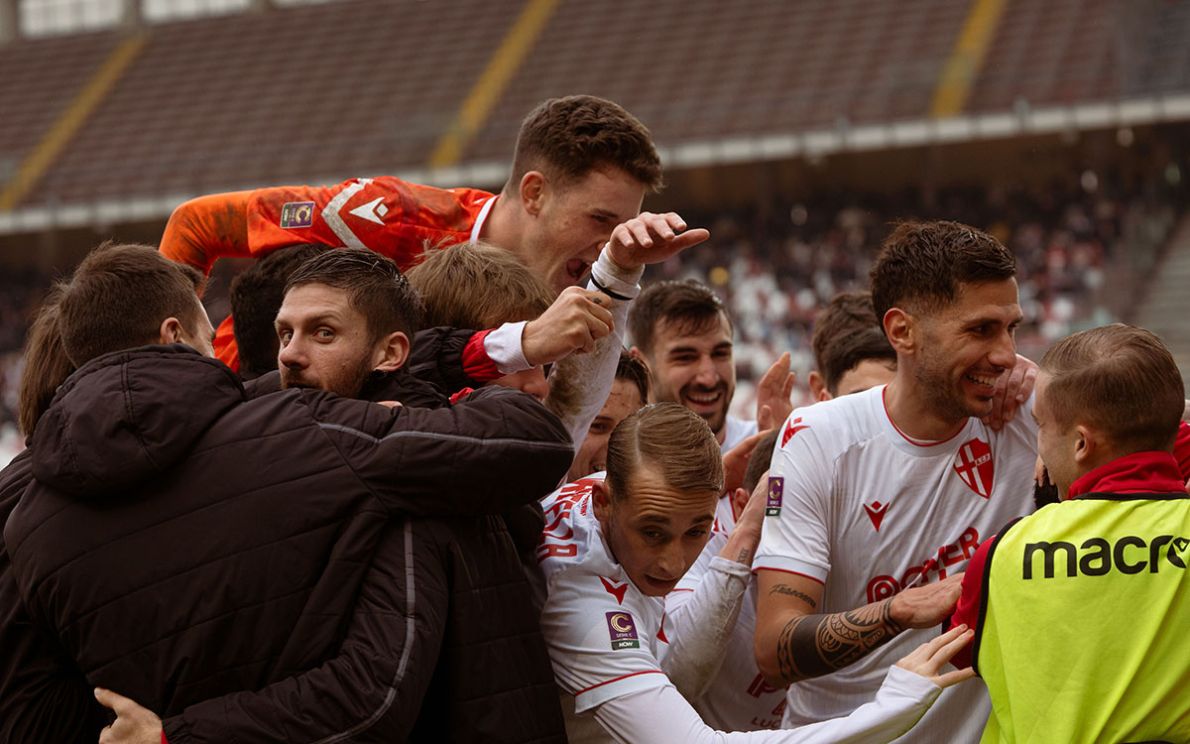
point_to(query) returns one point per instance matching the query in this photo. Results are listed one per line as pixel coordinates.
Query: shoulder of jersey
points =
(840, 421)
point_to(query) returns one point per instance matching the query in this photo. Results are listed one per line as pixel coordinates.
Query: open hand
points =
(929, 658)
(651, 238)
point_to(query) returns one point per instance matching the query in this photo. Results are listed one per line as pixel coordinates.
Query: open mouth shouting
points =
(576, 269)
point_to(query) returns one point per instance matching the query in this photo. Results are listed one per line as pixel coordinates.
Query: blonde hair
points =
(477, 286)
(672, 440)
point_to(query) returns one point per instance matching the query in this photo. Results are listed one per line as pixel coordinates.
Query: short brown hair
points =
(374, 285)
(477, 287)
(569, 137)
(922, 265)
(761, 459)
(46, 364)
(118, 297)
(689, 305)
(633, 370)
(846, 353)
(846, 313)
(1119, 379)
(671, 440)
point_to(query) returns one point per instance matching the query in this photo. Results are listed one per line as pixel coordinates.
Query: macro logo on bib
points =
(622, 630)
(1097, 556)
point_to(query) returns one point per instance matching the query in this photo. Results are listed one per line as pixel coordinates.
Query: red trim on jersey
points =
(786, 570)
(1181, 450)
(456, 397)
(476, 363)
(163, 739)
(909, 439)
(1140, 472)
(617, 679)
(681, 590)
(967, 609)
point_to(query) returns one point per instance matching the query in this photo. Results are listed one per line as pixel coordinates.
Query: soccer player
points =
(1079, 608)
(878, 499)
(615, 544)
(683, 332)
(630, 393)
(851, 352)
(581, 167)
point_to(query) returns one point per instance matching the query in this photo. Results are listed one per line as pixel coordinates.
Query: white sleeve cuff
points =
(503, 347)
(614, 278)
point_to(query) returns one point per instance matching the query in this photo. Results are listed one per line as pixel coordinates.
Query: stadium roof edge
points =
(811, 143)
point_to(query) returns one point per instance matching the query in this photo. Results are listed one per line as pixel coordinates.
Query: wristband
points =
(608, 292)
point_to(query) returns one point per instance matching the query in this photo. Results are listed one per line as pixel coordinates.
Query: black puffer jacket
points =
(183, 543)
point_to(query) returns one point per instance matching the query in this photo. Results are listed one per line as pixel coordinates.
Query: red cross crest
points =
(974, 465)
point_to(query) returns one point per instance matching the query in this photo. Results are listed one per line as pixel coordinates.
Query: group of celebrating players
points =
(337, 517)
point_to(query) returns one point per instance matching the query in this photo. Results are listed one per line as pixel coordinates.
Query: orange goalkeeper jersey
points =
(387, 215)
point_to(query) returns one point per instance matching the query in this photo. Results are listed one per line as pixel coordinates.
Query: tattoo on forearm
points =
(814, 645)
(790, 591)
(744, 557)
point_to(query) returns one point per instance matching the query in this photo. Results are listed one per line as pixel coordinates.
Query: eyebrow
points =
(605, 213)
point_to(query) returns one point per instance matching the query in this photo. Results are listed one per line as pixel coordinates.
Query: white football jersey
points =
(738, 698)
(737, 431)
(857, 505)
(603, 633)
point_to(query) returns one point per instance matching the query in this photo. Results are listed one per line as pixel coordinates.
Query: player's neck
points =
(501, 228)
(912, 415)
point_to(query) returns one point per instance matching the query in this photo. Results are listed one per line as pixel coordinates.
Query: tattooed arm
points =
(793, 643)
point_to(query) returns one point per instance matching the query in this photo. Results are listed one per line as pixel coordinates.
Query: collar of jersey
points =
(912, 445)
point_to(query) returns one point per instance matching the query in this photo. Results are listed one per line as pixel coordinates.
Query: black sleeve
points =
(372, 690)
(437, 357)
(495, 450)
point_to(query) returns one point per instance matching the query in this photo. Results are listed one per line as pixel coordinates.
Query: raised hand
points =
(651, 238)
(134, 724)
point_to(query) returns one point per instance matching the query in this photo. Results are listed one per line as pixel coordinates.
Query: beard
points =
(345, 382)
(941, 394)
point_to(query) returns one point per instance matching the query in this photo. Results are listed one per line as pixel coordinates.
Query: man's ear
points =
(601, 497)
(817, 386)
(1089, 447)
(533, 189)
(901, 329)
(393, 351)
(170, 332)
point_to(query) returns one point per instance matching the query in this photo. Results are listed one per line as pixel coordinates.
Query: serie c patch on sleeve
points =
(622, 630)
(772, 507)
(297, 214)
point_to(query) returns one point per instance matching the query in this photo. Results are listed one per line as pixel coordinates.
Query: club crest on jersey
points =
(974, 465)
(297, 214)
(876, 512)
(622, 630)
(772, 506)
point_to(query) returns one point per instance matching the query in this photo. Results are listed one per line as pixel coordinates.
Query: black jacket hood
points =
(128, 416)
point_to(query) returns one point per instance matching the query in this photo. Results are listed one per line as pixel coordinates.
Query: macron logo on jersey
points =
(614, 589)
(974, 465)
(373, 211)
(791, 428)
(876, 512)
